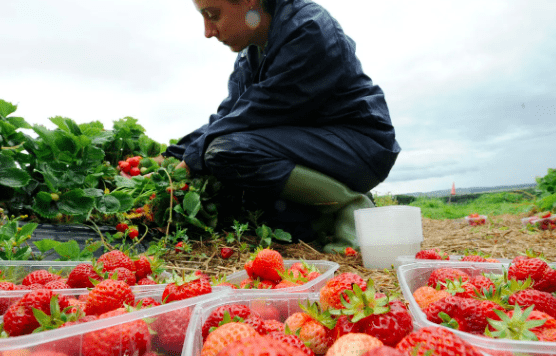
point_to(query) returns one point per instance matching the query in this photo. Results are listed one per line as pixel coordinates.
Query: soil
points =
(501, 237)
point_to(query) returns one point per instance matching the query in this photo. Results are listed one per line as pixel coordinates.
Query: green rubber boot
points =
(333, 199)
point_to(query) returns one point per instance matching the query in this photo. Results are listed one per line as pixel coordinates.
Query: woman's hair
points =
(268, 5)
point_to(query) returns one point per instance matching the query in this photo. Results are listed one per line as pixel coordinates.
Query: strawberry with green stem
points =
(515, 327)
(108, 295)
(315, 326)
(184, 287)
(377, 315)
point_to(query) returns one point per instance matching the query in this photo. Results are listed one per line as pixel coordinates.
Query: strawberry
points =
(315, 327)
(260, 346)
(114, 259)
(226, 252)
(256, 323)
(142, 267)
(384, 351)
(124, 166)
(292, 340)
(547, 283)
(274, 325)
(302, 267)
(109, 295)
(122, 227)
(40, 276)
(224, 335)
(533, 268)
(146, 303)
(267, 264)
(129, 338)
(248, 266)
(189, 286)
(473, 258)
(59, 284)
(179, 247)
(425, 296)
(264, 310)
(184, 187)
(439, 340)
(349, 251)
(81, 275)
(353, 344)
(313, 275)
(133, 233)
(146, 282)
(441, 275)
(344, 326)
(482, 284)
(389, 321)
(217, 315)
(432, 254)
(543, 301)
(6, 302)
(20, 319)
(134, 161)
(170, 329)
(330, 294)
(123, 274)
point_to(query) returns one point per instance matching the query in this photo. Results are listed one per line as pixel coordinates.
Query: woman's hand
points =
(182, 164)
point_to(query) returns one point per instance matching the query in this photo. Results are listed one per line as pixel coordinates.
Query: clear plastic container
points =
(282, 304)
(408, 259)
(71, 339)
(416, 275)
(474, 221)
(547, 223)
(15, 271)
(326, 268)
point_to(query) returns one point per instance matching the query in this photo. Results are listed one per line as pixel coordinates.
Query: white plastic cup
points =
(387, 232)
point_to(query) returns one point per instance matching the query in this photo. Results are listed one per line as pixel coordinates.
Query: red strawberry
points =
(256, 323)
(473, 258)
(432, 254)
(292, 340)
(335, 287)
(109, 295)
(531, 267)
(125, 166)
(548, 281)
(217, 315)
(226, 252)
(482, 283)
(224, 335)
(441, 275)
(303, 268)
(268, 264)
(142, 267)
(258, 346)
(146, 282)
(249, 269)
(19, 319)
(384, 351)
(114, 259)
(122, 227)
(130, 338)
(349, 251)
(125, 275)
(186, 287)
(438, 339)
(59, 284)
(170, 329)
(179, 247)
(134, 161)
(146, 302)
(274, 325)
(133, 233)
(80, 276)
(543, 301)
(40, 276)
(315, 327)
(344, 326)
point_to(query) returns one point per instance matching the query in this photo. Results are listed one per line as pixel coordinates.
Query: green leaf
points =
(192, 203)
(264, 232)
(27, 229)
(14, 177)
(281, 235)
(108, 204)
(93, 192)
(45, 245)
(6, 162)
(125, 200)
(69, 249)
(19, 122)
(75, 202)
(90, 249)
(6, 108)
(44, 206)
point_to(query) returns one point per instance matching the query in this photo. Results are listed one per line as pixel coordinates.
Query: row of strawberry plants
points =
(84, 173)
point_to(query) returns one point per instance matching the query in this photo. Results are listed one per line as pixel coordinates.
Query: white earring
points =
(253, 18)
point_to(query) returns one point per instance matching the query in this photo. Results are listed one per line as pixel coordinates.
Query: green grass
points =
(487, 204)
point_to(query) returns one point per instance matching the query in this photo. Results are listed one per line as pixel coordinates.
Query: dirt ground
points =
(501, 237)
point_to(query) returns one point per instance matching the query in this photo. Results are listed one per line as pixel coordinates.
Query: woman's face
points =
(226, 21)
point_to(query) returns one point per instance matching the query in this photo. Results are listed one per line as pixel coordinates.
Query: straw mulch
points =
(502, 237)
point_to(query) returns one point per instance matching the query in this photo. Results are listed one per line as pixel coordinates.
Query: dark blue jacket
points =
(308, 75)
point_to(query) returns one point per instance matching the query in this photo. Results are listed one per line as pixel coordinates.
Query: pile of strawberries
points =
(437, 254)
(349, 318)
(115, 264)
(476, 219)
(544, 221)
(132, 166)
(518, 304)
(44, 309)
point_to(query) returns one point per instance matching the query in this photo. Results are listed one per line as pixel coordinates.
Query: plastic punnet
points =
(413, 276)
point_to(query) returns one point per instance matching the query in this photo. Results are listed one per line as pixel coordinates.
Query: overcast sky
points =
(471, 86)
